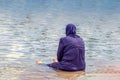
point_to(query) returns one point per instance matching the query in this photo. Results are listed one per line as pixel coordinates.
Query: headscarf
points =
(70, 29)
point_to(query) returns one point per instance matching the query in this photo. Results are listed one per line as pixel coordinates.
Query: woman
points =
(71, 52)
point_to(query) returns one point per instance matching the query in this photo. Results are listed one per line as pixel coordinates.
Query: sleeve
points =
(60, 50)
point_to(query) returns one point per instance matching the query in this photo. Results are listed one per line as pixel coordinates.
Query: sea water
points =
(31, 29)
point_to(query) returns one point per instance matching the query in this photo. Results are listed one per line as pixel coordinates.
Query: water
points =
(31, 29)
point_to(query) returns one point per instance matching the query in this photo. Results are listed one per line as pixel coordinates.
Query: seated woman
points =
(71, 52)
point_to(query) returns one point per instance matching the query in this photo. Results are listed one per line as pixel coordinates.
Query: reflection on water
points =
(42, 73)
(31, 30)
(70, 75)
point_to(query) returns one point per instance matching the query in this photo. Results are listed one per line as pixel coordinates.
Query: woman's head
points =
(70, 29)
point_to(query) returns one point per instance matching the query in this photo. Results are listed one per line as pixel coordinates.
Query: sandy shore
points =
(106, 71)
(110, 71)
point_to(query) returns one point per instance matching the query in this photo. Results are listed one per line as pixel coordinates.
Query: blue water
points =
(30, 29)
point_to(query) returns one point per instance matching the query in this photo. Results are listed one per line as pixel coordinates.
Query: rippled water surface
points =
(31, 30)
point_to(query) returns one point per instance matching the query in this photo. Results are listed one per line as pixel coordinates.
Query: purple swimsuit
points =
(71, 51)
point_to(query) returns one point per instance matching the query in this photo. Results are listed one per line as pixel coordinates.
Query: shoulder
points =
(63, 39)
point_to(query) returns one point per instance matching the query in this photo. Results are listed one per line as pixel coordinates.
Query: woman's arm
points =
(60, 50)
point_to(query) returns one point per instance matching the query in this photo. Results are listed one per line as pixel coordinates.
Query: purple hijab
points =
(70, 29)
(71, 51)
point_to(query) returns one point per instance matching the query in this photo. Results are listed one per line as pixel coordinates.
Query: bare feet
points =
(55, 60)
(38, 61)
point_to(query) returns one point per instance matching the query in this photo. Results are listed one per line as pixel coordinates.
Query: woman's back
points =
(73, 53)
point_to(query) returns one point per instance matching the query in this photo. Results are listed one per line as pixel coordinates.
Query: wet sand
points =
(109, 71)
(115, 75)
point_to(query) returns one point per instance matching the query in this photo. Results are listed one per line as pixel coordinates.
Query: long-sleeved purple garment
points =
(71, 51)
